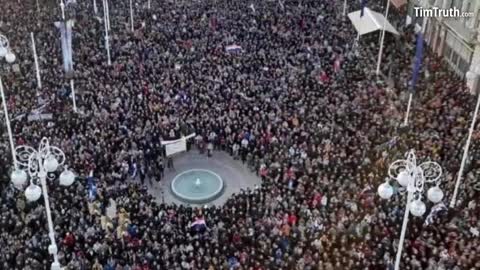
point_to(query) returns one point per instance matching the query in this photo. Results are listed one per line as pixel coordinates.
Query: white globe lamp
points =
(50, 164)
(403, 178)
(52, 249)
(435, 194)
(55, 266)
(33, 193)
(3, 51)
(67, 178)
(18, 177)
(10, 57)
(385, 191)
(417, 208)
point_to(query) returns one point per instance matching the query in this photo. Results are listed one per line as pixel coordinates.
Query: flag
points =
(233, 49)
(92, 187)
(392, 142)
(199, 224)
(233, 262)
(363, 4)
(65, 28)
(418, 61)
(252, 7)
(323, 77)
(133, 170)
(176, 146)
(434, 213)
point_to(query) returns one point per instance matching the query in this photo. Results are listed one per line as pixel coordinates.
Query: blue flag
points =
(418, 61)
(65, 28)
(363, 4)
(92, 187)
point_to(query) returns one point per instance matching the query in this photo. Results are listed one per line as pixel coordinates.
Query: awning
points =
(399, 3)
(370, 22)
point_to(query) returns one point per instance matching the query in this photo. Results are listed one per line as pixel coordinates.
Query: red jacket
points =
(69, 240)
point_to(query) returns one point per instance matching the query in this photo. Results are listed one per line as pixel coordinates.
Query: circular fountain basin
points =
(197, 186)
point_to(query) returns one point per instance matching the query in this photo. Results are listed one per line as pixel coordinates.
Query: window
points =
(447, 51)
(457, 54)
(463, 65)
(454, 57)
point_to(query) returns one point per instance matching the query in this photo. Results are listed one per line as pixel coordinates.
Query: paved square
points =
(236, 176)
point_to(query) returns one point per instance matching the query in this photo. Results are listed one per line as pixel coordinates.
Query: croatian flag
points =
(92, 187)
(363, 4)
(233, 49)
(199, 224)
(418, 61)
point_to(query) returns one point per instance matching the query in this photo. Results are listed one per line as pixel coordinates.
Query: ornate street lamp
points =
(39, 165)
(5, 50)
(412, 177)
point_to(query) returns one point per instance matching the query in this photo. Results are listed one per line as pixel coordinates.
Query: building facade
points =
(457, 38)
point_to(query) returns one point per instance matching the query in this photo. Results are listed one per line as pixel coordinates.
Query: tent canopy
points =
(370, 22)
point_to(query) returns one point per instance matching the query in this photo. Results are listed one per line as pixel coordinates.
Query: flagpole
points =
(131, 16)
(148, 4)
(73, 96)
(345, 8)
(107, 42)
(35, 58)
(7, 122)
(108, 14)
(62, 7)
(379, 61)
(465, 154)
(405, 123)
(95, 7)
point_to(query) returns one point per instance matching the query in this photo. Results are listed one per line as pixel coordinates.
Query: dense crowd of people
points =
(299, 103)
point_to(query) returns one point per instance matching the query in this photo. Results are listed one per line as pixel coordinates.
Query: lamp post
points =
(35, 58)
(131, 16)
(10, 58)
(412, 178)
(379, 60)
(465, 154)
(105, 22)
(38, 166)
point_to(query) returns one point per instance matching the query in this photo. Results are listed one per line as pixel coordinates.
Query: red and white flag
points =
(323, 77)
